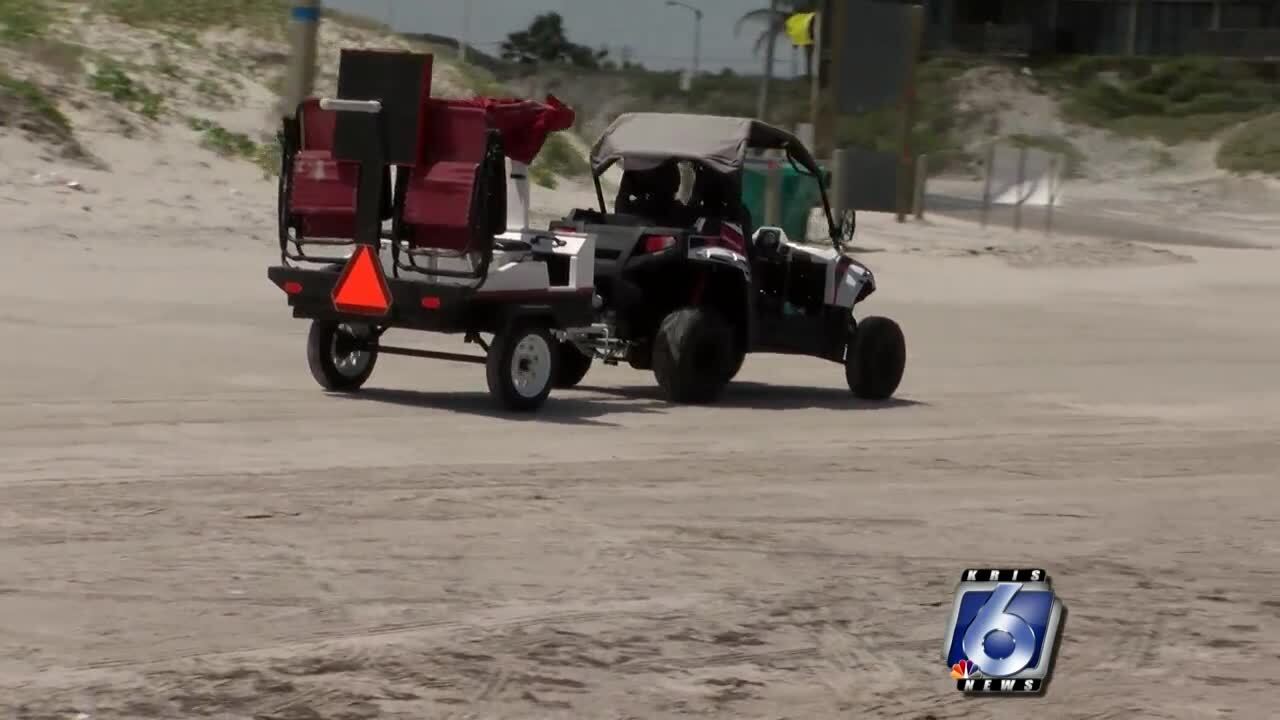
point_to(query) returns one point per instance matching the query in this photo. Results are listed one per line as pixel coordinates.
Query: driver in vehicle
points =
(651, 194)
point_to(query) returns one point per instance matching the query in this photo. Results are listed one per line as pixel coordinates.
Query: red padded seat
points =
(323, 193)
(441, 189)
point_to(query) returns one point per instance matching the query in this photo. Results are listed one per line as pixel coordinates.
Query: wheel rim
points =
(531, 366)
(349, 359)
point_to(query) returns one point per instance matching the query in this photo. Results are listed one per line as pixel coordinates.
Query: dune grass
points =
(1172, 100)
(1254, 147)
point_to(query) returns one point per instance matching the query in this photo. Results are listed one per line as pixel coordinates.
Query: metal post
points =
(697, 36)
(907, 119)
(304, 20)
(1018, 197)
(988, 168)
(839, 185)
(1053, 194)
(922, 172)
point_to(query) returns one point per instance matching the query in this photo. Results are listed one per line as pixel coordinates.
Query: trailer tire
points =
(875, 359)
(573, 365)
(335, 357)
(521, 366)
(692, 355)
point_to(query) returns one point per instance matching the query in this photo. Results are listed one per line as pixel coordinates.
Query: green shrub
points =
(111, 79)
(26, 95)
(24, 20)
(1255, 147)
(559, 157)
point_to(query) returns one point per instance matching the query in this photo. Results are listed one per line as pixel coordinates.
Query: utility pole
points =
(762, 107)
(304, 20)
(697, 34)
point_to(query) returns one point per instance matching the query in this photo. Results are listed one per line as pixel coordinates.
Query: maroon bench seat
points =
(440, 194)
(322, 192)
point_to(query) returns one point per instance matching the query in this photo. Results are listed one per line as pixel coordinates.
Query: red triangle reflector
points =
(362, 288)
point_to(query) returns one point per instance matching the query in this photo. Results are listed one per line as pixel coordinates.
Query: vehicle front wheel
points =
(341, 356)
(874, 362)
(692, 355)
(521, 367)
(573, 366)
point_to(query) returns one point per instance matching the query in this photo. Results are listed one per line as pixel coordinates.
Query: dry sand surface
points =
(191, 528)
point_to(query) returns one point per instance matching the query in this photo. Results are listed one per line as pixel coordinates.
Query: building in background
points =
(1246, 28)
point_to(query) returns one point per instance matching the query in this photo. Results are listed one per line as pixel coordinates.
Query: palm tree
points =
(774, 19)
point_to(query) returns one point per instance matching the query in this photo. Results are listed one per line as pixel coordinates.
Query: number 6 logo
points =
(992, 617)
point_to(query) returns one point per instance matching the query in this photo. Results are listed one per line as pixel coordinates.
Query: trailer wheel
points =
(341, 356)
(875, 359)
(521, 367)
(692, 355)
(573, 365)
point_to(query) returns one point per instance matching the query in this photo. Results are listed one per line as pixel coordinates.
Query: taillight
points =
(657, 243)
(292, 287)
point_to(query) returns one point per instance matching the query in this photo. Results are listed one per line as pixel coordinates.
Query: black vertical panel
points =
(875, 52)
(401, 81)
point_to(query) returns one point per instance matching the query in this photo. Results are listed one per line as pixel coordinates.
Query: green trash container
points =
(799, 196)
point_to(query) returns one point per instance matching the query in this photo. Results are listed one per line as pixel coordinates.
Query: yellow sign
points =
(800, 28)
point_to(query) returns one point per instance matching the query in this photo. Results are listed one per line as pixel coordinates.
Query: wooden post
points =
(1053, 194)
(989, 167)
(1018, 196)
(915, 17)
(304, 20)
(922, 173)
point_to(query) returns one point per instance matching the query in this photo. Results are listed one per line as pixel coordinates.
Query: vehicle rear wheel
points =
(573, 365)
(735, 363)
(341, 356)
(521, 366)
(692, 355)
(876, 357)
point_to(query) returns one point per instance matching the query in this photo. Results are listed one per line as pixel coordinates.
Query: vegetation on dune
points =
(236, 145)
(24, 20)
(1254, 147)
(270, 15)
(112, 79)
(1172, 100)
(557, 158)
(23, 97)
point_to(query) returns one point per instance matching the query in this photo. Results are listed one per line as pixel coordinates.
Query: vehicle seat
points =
(442, 192)
(322, 191)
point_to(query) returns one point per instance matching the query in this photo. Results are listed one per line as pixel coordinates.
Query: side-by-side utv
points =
(687, 288)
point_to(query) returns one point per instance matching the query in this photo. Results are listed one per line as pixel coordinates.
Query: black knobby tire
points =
(875, 359)
(522, 350)
(692, 354)
(573, 365)
(339, 359)
(736, 359)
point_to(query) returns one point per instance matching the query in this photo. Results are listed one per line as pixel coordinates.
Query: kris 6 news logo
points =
(1002, 632)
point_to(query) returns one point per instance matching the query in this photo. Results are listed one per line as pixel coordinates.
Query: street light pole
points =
(697, 33)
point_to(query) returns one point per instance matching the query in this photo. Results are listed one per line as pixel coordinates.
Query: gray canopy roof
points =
(641, 139)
